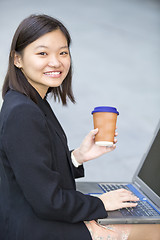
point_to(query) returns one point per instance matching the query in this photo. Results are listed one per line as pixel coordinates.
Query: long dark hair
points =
(29, 30)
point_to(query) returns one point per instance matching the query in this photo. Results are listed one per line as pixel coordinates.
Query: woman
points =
(38, 198)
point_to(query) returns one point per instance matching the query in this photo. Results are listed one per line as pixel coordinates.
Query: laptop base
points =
(114, 217)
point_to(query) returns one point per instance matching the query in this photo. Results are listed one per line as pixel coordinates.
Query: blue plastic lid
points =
(105, 109)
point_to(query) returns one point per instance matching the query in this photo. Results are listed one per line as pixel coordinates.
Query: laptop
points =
(145, 185)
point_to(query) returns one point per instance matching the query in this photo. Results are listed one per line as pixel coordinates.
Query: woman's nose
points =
(54, 62)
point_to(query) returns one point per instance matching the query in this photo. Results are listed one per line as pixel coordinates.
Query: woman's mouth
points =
(53, 74)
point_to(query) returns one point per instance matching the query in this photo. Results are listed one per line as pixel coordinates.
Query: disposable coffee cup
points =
(105, 118)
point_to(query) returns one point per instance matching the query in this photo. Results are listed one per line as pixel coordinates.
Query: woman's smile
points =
(53, 74)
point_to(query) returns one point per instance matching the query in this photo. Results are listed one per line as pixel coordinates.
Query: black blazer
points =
(38, 199)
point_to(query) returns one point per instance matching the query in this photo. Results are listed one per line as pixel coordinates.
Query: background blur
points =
(116, 59)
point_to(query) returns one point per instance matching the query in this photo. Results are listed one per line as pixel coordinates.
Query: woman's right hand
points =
(117, 199)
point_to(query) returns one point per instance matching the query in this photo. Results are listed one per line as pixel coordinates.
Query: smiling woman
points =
(45, 62)
(46, 40)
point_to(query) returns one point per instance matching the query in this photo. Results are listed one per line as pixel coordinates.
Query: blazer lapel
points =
(48, 112)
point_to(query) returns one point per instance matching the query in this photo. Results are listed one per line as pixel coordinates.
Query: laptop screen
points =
(150, 170)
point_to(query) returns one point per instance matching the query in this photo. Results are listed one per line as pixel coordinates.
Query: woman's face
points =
(45, 62)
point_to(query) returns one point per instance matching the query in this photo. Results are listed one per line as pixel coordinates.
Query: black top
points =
(38, 199)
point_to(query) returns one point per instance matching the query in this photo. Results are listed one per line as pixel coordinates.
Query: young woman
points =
(38, 198)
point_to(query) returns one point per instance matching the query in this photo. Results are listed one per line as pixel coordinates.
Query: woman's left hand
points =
(88, 150)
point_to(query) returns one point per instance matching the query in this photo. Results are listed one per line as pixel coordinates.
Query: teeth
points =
(52, 73)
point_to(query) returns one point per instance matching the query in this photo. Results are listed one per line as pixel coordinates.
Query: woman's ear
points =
(17, 60)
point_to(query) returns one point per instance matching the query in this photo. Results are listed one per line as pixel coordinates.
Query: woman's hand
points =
(88, 150)
(117, 199)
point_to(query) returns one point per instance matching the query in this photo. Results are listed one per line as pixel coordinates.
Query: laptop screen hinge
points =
(137, 185)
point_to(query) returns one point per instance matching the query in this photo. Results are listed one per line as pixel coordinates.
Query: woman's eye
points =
(42, 53)
(63, 53)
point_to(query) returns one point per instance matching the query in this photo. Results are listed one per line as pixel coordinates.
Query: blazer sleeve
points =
(78, 171)
(28, 149)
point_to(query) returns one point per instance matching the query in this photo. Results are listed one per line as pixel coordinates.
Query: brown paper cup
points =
(106, 124)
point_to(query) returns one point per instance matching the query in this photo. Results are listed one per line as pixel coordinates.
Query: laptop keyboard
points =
(142, 209)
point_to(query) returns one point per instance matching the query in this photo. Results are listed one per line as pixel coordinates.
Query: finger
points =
(126, 192)
(115, 140)
(109, 149)
(129, 198)
(94, 132)
(129, 205)
(122, 190)
(126, 195)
